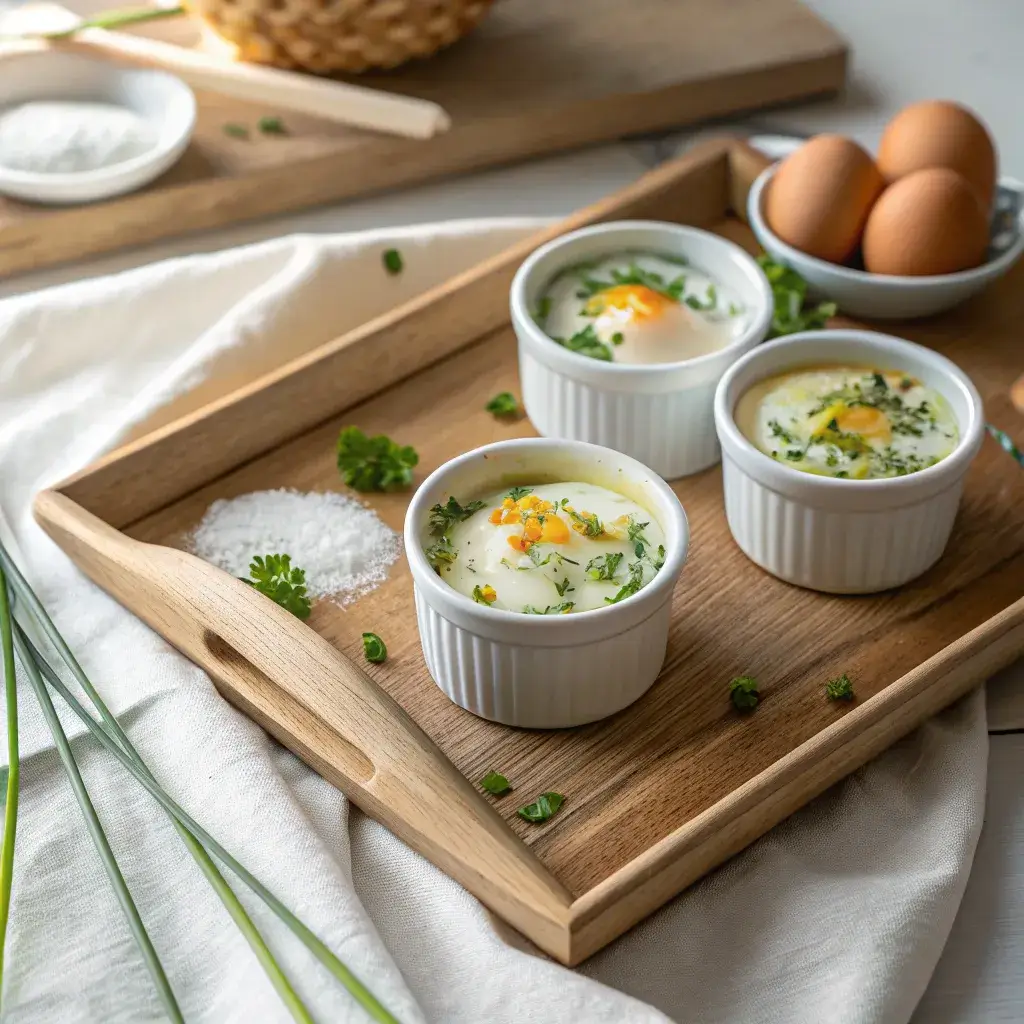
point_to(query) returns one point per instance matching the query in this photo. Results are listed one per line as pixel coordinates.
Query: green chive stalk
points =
(220, 885)
(118, 19)
(108, 734)
(99, 837)
(11, 807)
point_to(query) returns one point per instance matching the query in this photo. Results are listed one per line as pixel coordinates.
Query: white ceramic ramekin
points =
(660, 414)
(843, 536)
(543, 672)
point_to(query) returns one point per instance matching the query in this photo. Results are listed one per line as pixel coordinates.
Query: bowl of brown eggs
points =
(910, 232)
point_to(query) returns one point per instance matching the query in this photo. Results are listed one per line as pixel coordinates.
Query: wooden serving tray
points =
(534, 78)
(657, 795)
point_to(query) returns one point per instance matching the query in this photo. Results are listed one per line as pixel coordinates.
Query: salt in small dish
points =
(159, 99)
(843, 536)
(883, 297)
(658, 413)
(543, 671)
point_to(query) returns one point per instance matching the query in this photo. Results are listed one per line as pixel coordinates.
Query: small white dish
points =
(161, 99)
(843, 536)
(884, 297)
(660, 414)
(535, 671)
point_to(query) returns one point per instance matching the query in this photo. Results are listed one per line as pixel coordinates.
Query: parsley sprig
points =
(374, 463)
(543, 808)
(443, 517)
(503, 405)
(840, 688)
(744, 693)
(274, 577)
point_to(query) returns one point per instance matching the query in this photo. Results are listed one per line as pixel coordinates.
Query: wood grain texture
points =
(534, 78)
(670, 787)
(318, 703)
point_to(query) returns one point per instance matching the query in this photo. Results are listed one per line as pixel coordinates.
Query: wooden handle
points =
(288, 90)
(745, 164)
(322, 707)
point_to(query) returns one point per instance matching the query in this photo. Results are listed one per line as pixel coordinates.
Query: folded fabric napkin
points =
(838, 915)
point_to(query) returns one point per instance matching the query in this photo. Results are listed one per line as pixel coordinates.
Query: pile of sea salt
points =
(344, 548)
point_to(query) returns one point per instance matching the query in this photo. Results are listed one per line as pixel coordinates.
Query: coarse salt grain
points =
(344, 547)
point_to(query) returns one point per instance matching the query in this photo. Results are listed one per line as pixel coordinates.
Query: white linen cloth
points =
(838, 915)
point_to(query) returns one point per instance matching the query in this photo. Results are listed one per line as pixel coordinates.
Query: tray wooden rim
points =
(630, 893)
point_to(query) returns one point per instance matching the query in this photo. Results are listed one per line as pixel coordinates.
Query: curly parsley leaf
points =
(374, 463)
(496, 784)
(744, 693)
(374, 648)
(443, 517)
(840, 689)
(543, 808)
(274, 577)
(503, 404)
(441, 553)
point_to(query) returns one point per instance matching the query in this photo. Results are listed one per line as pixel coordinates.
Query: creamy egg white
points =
(546, 550)
(852, 423)
(637, 307)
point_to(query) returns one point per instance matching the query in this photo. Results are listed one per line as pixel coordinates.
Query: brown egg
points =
(930, 222)
(820, 196)
(938, 133)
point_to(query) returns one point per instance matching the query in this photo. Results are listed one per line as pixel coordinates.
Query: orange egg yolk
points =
(541, 523)
(636, 301)
(866, 421)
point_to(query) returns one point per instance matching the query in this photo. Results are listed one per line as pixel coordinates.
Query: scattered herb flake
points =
(744, 693)
(274, 577)
(604, 567)
(374, 463)
(236, 131)
(543, 808)
(618, 338)
(585, 523)
(561, 609)
(374, 648)
(443, 517)
(519, 492)
(496, 784)
(272, 126)
(503, 404)
(543, 310)
(393, 262)
(633, 584)
(564, 587)
(485, 595)
(789, 290)
(587, 343)
(441, 553)
(840, 689)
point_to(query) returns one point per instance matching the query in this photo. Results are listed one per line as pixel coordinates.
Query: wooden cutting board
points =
(670, 787)
(536, 77)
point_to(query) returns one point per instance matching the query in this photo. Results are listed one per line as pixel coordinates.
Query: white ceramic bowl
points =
(544, 672)
(843, 536)
(161, 99)
(660, 414)
(885, 297)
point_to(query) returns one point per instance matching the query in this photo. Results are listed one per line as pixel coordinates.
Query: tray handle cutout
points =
(325, 709)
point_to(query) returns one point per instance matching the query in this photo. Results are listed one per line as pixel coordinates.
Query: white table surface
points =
(969, 50)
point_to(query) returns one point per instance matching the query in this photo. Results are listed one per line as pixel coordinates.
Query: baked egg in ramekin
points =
(543, 573)
(624, 331)
(844, 454)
